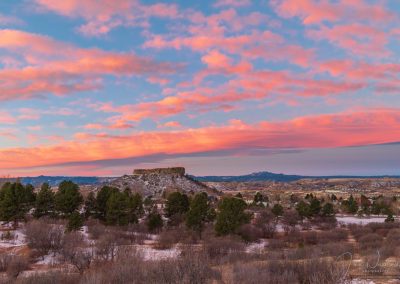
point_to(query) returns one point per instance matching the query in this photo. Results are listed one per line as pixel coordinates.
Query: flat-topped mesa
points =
(176, 171)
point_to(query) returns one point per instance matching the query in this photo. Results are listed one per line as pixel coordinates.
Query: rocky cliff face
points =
(155, 182)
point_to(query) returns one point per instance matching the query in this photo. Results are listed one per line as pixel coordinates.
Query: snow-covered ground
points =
(256, 247)
(149, 253)
(17, 239)
(360, 220)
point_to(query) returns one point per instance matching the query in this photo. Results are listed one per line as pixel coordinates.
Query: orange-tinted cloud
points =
(316, 12)
(103, 16)
(360, 40)
(333, 130)
(45, 69)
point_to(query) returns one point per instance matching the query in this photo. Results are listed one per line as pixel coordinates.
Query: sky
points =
(225, 87)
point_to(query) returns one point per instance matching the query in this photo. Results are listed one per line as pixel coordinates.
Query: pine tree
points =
(327, 210)
(231, 215)
(177, 203)
(277, 209)
(15, 201)
(90, 205)
(154, 222)
(75, 222)
(198, 212)
(101, 201)
(44, 201)
(117, 209)
(303, 209)
(315, 206)
(68, 198)
(258, 199)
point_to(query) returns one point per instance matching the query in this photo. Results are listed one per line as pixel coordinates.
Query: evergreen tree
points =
(327, 210)
(68, 198)
(75, 222)
(350, 205)
(303, 209)
(389, 218)
(315, 206)
(198, 213)
(44, 205)
(258, 199)
(154, 222)
(117, 209)
(101, 201)
(90, 205)
(15, 201)
(277, 209)
(177, 203)
(231, 215)
(135, 207)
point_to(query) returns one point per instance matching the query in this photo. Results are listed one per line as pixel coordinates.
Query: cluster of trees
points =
(16, 200)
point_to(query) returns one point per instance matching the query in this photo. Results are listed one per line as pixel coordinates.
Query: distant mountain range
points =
(254, 177)
(268, 176)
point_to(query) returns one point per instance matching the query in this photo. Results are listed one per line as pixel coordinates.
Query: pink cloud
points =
(7, 118)
(103, 16)
(332, 130)
(232, 3)
(316, 12)
(76, 69)
(359, 40)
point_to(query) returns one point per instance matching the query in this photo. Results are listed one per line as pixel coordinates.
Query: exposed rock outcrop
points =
(155, 182)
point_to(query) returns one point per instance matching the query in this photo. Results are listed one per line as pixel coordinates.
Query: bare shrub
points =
(276, 244)
(310, 238)
(280, 272)
(290, 219)
(266, 221)
(191, 267)
(335, 235)
(382, 228)
(358, 230)
(218, 248)
(96, 229)
(44, 237)
(16, 266)
(250, 233)
(75, 252)
(107, 246)
(52, 277)
(5, 260)
(168, 238)
(324, 223)
(370, 241)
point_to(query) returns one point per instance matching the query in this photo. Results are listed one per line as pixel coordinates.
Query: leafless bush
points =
(53, 277)
(358, 230)
(75, 252)
(107, 246)
(266, 221)
(218, 248)
(290, 219)
(324, 223)
(382, 228)
(276, 244)
(5, 260)
(96, 229)
(16, 266)
(335, 235)
(370, 241)
(44, 237)
(250, 233)
(168, 238)
(280, 272)
(310, 238)
(191, 267)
